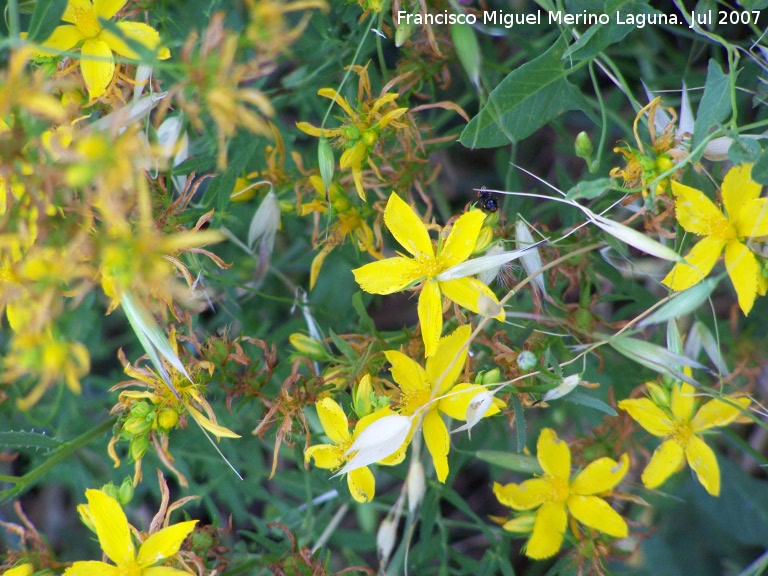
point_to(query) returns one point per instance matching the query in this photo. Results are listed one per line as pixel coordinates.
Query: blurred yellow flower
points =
(746, 218)
(680, 424)
(395, 274)
(97, 60)
(555, 495)
(114, 534)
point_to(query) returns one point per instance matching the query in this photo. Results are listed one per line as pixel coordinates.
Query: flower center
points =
(682, 433)
(86, 22)
(412, 401)
(561, 489)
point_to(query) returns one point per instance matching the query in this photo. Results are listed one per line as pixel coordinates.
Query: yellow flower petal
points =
(743, 270)
(752, 220)
(466, 292)
(391, 116)
(327, 456)
(666, 460)
(700, 261)
(553, 455)
(111, 527)
(682, 401)
(317, 263)
(92, 568)
(165, 543)
(462, 239)
(408, 374)
(77, 10)
(307, 128)
(331, 94)
(353, 157)
(357, 176)
(407, 228)
(389, 275)
(430, 309)
(455, 405)
(548, 530)
(698, 214)
(648, 415)
(444, 367)
(98, 66)
(137, 32)
(107, 8)
(738, 189)
(717, 413)
(63, 38)
(212, 427)
(600, 476)
(524, 496)
(362, 484)
(438, 442)
(333, 420)
(598, 514)
(23, 570)
(703, 462)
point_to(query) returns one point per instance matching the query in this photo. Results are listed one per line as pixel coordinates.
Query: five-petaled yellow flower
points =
(746, 217)
(554, 493)
(395, 274)
(434, 390)
(98, 44)
(680, 425)
(114, 534)
(362, 484)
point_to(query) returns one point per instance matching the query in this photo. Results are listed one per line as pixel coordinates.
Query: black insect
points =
(489, 201)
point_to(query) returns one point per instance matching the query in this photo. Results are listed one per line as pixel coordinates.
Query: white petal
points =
(380, 439)
(531, 259)
(478, 265)
(565, 387)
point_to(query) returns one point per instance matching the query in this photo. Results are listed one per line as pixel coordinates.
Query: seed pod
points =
(468, 50)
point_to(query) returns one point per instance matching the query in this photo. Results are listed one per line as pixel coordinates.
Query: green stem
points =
(58, 455)
(14, 27)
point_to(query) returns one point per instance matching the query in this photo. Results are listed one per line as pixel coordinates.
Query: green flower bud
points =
(489, 376)
(404, 32)
(308, 347)
(658, 394)
(468, 50)
(167, 419)
(351, 133)
(138, 447)
(125, 492)
(527, 360)
(583, 146)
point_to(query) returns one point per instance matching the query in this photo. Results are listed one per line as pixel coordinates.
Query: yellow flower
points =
(681, 425)
(98, 44)
(395, 274)
(362, 484)
(747, 218)
(114, 534)
(434, 390)
(360, 133)
(23, 570)
(555, 495)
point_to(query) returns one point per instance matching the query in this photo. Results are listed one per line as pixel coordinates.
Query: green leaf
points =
(218, 193)
(366, 322)
(46, 17)
(590, 401)
(655, 357)
(195, 164)
(589, 189)
(520, 426)
(524, 101)
(760, 169)
(744, 151)
(753, 4)
(35, 440)
(715, 104)
(346, 350)
(510, 461)
(682, 303)
(599, 36)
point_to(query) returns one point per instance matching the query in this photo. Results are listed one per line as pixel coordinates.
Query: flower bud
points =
(138, 447)
(468, 50)
(110, 490)
(385, 539)
(484, 239)
(416, 485)
(583, 146)
(167, 419)
(308, 347)
(658, 394)
(489, 377)
(361, 397)
(404, 32)
(125, 492)
(565, 387)
(527, 360)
